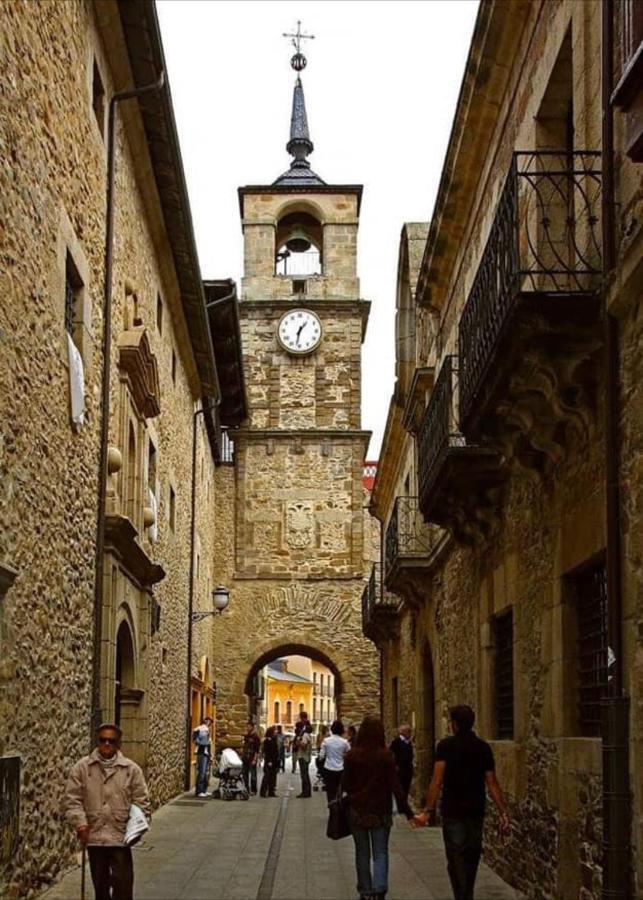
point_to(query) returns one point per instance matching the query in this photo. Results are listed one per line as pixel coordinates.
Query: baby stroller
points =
(229, 772)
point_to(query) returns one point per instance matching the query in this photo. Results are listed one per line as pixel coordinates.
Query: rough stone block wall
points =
(52, 199)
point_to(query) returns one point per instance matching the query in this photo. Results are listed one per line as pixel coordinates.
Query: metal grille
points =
(504, 675)
(70, 302)
(438, 430)
(544, 238)
(590, 589)
(407, 534)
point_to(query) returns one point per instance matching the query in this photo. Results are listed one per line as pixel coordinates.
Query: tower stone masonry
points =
(294, 551)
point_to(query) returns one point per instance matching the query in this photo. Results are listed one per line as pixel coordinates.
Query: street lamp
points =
(220, 600)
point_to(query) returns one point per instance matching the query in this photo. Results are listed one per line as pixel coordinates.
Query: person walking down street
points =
(370, 780)
(270, 749)
(331, 753)
(249, 757)
(464, 767)
(281, 744)
(203, 740)
(304, 744)
(100, 790)
(402, 749)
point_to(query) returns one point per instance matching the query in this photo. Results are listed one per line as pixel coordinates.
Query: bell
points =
(298, 242)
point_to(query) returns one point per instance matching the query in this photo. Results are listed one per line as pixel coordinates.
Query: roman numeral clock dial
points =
(299, 331)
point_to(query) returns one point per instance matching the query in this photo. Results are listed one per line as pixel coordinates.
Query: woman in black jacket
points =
(370, 780)
(270, 749)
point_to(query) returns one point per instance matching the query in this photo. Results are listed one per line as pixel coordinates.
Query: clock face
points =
(299, 331)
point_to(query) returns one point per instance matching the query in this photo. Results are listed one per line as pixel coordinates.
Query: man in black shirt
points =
(464, 770)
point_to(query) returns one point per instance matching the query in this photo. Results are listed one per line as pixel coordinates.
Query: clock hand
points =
(299, 330)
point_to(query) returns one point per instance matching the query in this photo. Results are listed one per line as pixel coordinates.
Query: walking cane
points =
(82, 872)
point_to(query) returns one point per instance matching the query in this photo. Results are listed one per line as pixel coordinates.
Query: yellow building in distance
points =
(287, 694)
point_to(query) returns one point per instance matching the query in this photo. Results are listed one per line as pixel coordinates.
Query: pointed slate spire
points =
(300, 145)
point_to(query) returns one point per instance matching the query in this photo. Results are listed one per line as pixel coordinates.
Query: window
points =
(314, 682)
(173, 366)
(98, 99)
(73, 298)
(277, 713)
(159, 314)
(590, 595)
(172, 508)
(301, 707)
(299, 286)
(321, 684)
(151, 467)
(503, 675)
(289, 712)
(314, 709)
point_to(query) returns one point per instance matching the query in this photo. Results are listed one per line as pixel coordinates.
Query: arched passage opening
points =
(426, 734)
(290, 678)
(125, 669)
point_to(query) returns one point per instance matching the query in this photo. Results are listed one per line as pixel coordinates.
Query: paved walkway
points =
(274, 849)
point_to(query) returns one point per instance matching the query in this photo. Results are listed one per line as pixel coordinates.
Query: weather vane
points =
(298, 61)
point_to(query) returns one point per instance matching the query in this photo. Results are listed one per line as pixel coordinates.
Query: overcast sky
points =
(381, 86)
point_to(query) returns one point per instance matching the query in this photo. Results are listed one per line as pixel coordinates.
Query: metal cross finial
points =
(298, 37)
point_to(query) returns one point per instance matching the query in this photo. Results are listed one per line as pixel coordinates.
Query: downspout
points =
(188, 719)
(97, 712)
(615, 722)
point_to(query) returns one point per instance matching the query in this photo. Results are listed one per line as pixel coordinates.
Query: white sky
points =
(381, 87)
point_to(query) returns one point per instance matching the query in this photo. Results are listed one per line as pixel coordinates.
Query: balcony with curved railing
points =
(532, 316)
(411, 547)
(379, 609)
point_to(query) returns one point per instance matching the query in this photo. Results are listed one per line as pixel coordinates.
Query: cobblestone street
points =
(274, 850)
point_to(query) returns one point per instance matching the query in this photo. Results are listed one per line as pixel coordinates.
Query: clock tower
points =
(302, 537)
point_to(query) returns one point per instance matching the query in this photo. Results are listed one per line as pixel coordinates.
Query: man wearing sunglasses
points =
(100, 791)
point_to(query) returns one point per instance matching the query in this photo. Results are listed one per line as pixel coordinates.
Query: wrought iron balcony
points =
(410, 550)
(531, 321)
(379, 609)
(458, 482)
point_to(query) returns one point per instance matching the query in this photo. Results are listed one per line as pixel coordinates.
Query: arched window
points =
(299, 245)
(277, 713)
(289, 712)
(124, 666)
(301, 707)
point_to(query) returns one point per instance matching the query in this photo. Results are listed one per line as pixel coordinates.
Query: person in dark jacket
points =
(371, 781)
(402, 749)
(270, 749)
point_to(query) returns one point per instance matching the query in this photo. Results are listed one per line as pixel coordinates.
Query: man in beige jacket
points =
(100, 791)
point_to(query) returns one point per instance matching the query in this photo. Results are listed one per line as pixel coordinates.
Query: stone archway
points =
(348, 690)
(128, 696)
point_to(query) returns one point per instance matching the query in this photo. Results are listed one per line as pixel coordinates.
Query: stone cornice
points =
(489, 67)
(315, 434)
(120, 539)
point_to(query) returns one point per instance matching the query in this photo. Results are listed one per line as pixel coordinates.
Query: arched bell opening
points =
(299, 241)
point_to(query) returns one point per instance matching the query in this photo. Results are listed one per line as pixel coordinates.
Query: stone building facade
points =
(511, 575)
(293, 550)
(67, 662)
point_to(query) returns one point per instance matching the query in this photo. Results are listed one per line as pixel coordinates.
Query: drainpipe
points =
(97, 711)
(617, 814)
(188, 711)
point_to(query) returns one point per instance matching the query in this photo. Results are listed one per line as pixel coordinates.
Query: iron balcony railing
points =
(407, 534)
(375, 597)
(439, 429)
(545, 240)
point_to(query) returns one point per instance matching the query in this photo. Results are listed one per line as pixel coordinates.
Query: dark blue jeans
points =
(250, 777)
(202, 765)
(463, 846)
(371, 842)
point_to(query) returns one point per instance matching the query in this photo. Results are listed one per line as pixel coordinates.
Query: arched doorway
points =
(426, 733)
(125, 669)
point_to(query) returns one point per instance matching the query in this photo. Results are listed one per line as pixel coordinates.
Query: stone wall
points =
(52, 201)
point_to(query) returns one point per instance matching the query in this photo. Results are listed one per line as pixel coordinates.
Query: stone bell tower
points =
(298, 563)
